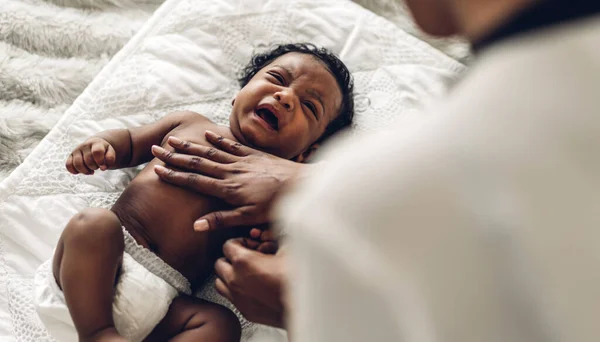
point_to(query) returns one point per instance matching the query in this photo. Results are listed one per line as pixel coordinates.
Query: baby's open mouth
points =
(269, 117)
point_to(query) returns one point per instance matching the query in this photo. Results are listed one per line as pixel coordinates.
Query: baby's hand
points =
(95, 153)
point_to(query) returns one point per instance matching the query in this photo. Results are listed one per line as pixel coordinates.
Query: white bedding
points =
(186, 57)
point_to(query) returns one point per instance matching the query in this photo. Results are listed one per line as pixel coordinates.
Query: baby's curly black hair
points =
(337, 68)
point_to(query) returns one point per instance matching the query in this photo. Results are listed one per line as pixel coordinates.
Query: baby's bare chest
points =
(195, 133)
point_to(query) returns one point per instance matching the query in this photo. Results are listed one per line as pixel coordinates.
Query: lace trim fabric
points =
(156, 265)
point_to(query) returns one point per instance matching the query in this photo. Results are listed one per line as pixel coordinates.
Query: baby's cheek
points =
(304, 139)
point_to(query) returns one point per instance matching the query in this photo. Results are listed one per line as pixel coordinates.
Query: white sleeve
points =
(413, 259)
(482, 226)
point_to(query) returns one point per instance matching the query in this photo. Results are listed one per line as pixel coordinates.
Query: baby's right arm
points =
(119, 148)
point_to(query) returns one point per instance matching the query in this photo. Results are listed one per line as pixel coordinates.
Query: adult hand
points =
(254, 282)
(239, 175)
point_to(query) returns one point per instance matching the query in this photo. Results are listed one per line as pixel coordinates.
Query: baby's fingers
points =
(69, 165)
(98, 151)
(89, 160)
(79, 163)
(110, 157)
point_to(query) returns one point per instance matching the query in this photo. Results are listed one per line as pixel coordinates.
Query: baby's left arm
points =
(142, 138)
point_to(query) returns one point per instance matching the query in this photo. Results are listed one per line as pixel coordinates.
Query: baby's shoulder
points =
(188, 117)
(193, 126)
(197, 121)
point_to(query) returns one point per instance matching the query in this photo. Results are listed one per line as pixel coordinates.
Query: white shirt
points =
(482, 224)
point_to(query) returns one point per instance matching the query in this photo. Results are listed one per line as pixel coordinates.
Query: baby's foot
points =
(265, 241)
(263, 235)
(105, 335)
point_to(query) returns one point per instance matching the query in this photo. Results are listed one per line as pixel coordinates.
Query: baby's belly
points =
(160, 217)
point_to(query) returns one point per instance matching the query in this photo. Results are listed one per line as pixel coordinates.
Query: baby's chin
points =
(268, 144)
(245, 133)
(256, 137)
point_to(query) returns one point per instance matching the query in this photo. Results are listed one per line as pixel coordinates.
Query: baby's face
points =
(287, 105)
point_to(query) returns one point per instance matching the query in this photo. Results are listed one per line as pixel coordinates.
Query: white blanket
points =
(186, 57)
(50, 50)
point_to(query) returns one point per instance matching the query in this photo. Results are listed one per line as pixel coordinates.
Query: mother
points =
(480, 226)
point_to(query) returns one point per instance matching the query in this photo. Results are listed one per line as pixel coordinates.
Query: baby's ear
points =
(306, 156)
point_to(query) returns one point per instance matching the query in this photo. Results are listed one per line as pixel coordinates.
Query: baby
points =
(128, 274)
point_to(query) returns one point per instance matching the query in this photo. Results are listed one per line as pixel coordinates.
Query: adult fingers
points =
(227, 219)
(79, 164)
(235, 251)
(201, 151)
(224, 270)
(229, 145)
(193, 181)
(189, 162)
(223, 290)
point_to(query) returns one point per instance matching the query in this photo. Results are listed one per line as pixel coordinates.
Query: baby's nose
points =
(286, 99)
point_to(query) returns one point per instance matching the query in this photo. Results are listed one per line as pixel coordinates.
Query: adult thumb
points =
(221, 220)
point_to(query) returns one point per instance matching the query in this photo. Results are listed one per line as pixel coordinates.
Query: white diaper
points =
(145, 289)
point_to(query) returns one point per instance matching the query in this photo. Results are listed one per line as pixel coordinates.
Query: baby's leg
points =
(85, 266)
(194, 319)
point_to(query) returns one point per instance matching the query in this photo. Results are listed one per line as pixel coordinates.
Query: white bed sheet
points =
(186, 57)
